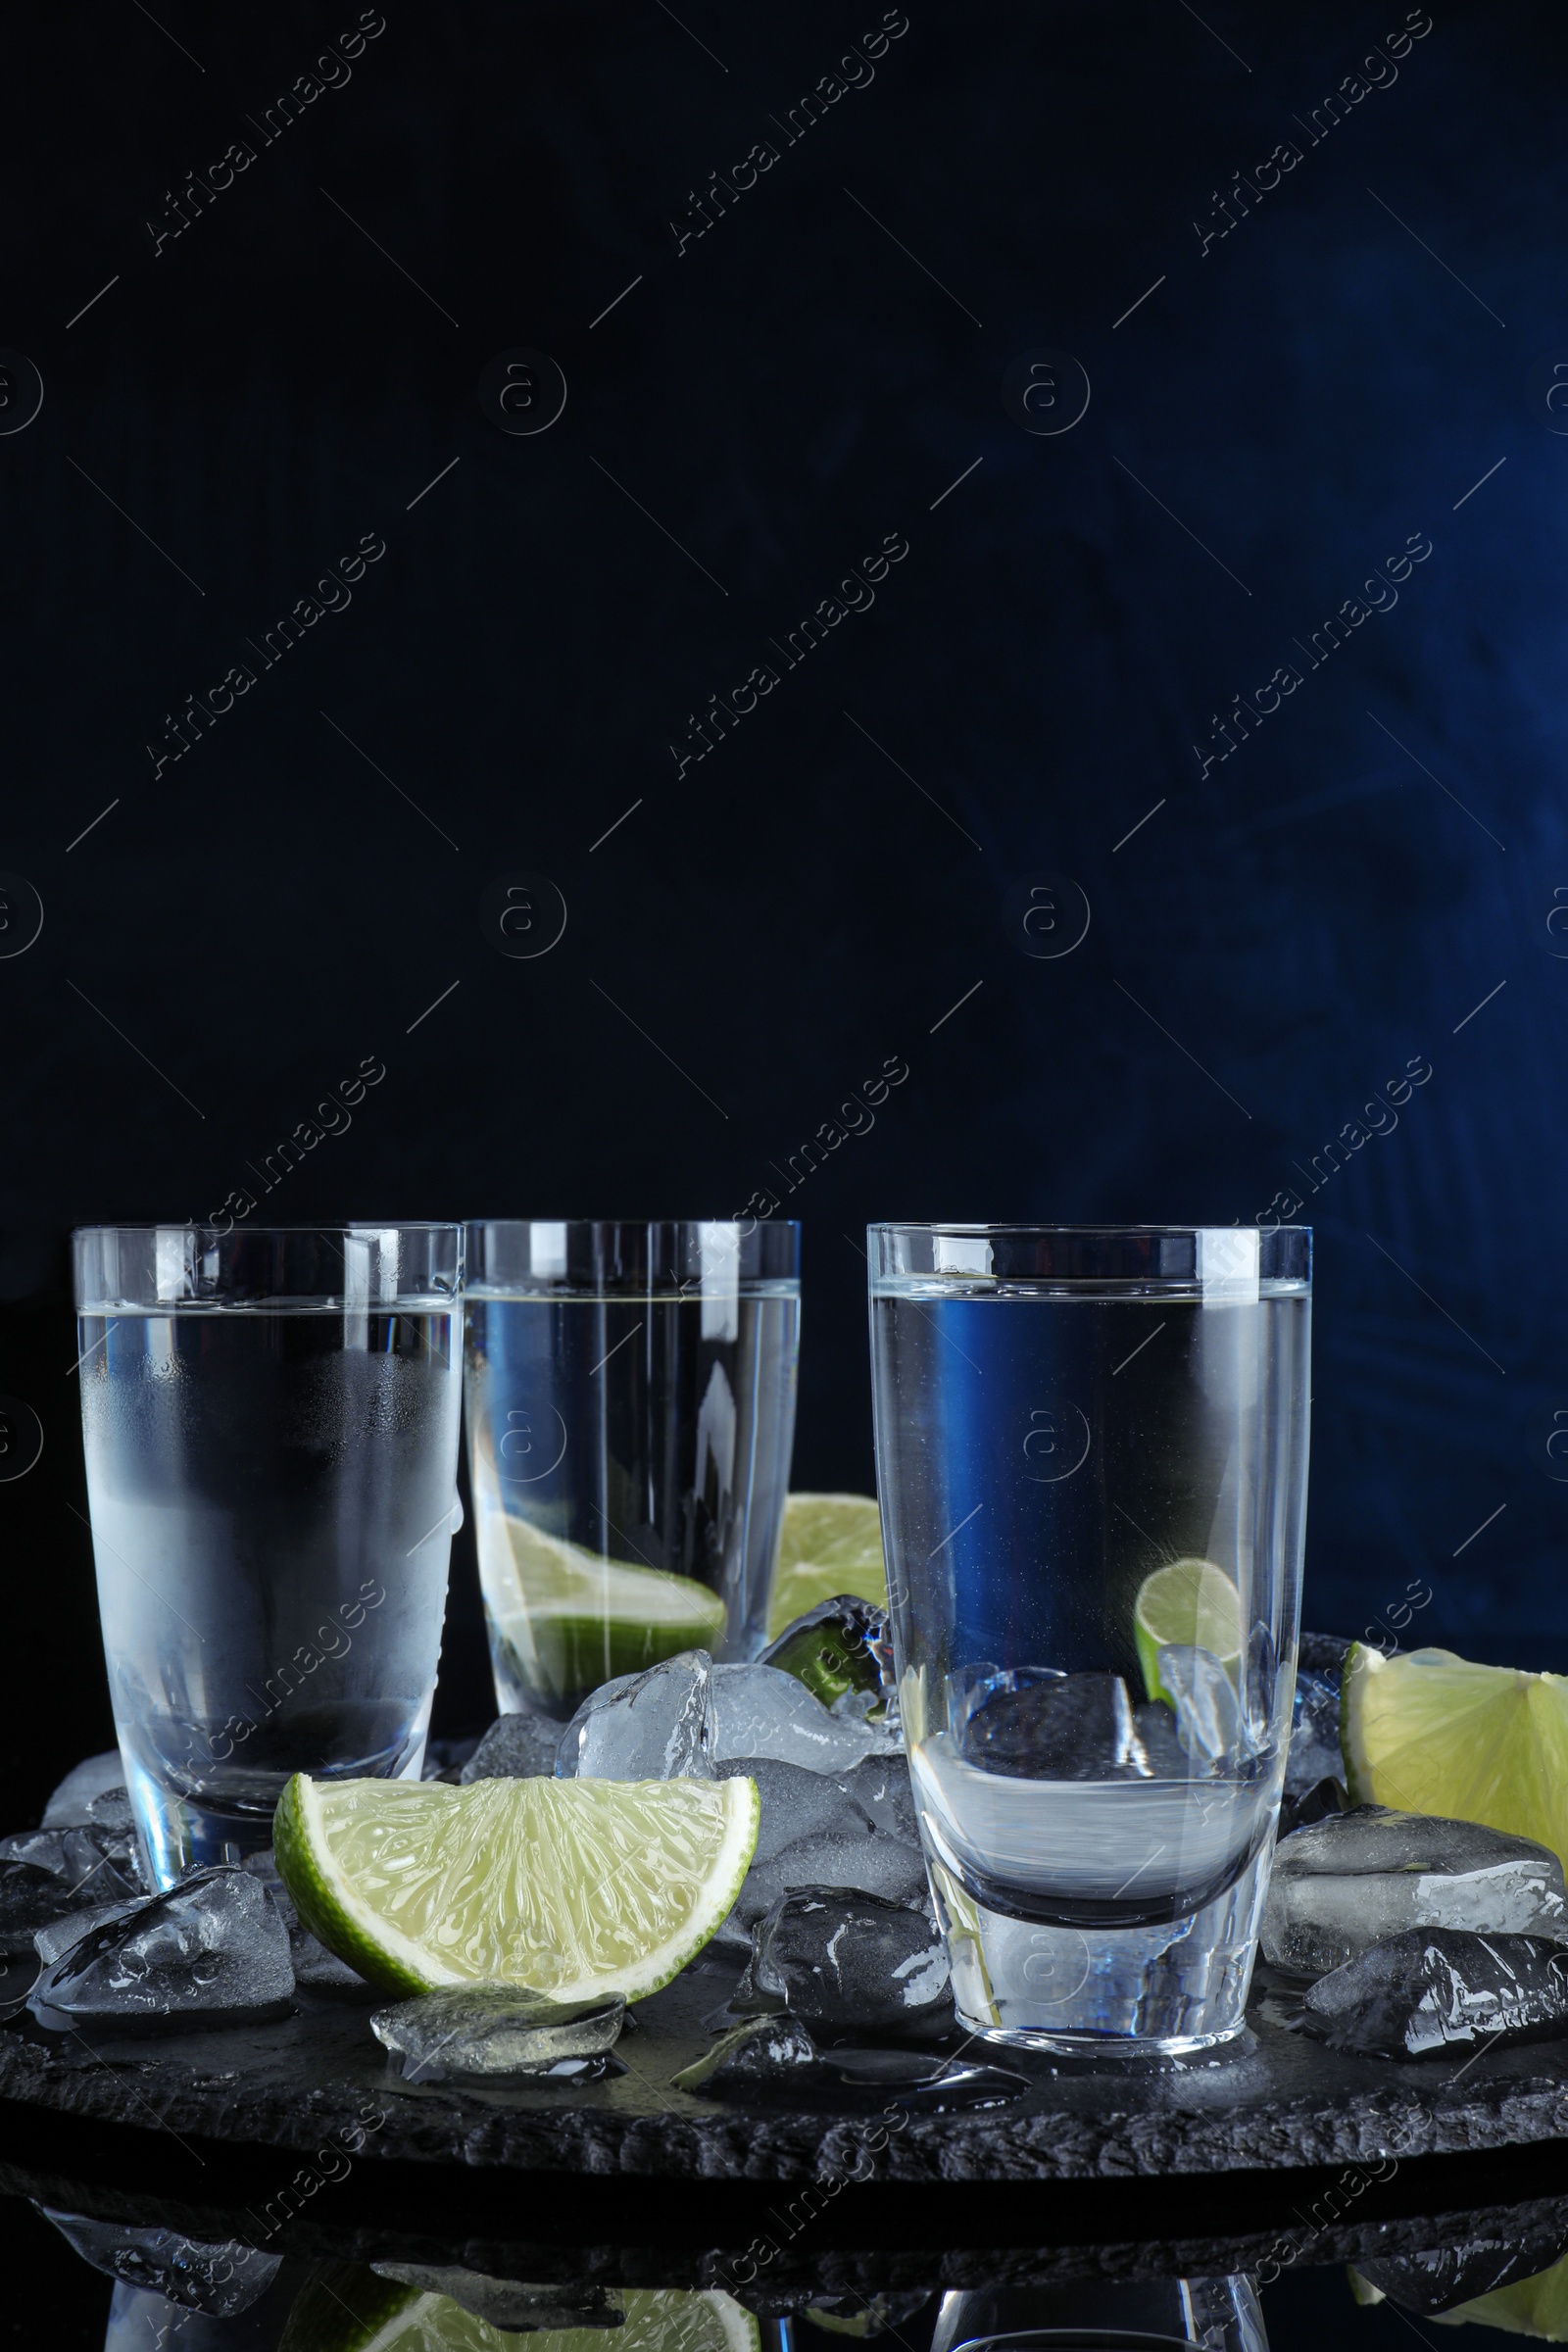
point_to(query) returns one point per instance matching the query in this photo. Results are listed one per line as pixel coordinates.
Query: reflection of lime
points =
(1430, 1732)
(571, 1888)
(1537, 2307)
(578, 1618)
(342, 2309)
(1191, 1603)
(872, 2320)
(831, 1543)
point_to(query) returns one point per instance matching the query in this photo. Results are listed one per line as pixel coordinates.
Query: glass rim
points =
(1220, 1263)
(211, 1268)
(619, 1224)
(1030, 1225)
(653, 1257)
(348, 1225)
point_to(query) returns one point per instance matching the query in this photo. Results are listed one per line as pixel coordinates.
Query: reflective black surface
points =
(93, 2258)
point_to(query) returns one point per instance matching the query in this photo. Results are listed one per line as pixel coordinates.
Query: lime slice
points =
(1430, 1732)
(571, 1888)
(343, 2309)
(831, 1543)
(1191, 1602)
(576, 1618)
(1537, 2307)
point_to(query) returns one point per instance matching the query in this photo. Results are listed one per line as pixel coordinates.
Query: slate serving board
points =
(1273, 2101)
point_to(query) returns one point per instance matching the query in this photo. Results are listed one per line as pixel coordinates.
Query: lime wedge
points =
(831, 1543)
(571, 1888)
(576, 1618)
(343, 2309)
(1537, 2307)
(1191, 1602)
(1431, 1732)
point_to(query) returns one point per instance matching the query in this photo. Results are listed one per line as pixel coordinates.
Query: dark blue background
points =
(1289, 929)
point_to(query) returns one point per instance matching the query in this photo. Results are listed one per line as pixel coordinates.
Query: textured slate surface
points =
(1273, 2101)
(804, 2268)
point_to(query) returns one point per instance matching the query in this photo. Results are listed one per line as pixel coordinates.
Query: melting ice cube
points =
(848, 1963)
(656, 1726)
(1347, 1882)
(220, 2278)
(208, 1948)
(487, 2032)
(1432, 1988)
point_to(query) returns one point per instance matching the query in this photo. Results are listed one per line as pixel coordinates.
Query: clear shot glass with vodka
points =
(630, 1400)
(1092, 1447)
(271, 1418)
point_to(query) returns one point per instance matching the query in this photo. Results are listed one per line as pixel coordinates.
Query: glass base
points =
(1056, 2044)
(1126, 1992)
(179, 1830)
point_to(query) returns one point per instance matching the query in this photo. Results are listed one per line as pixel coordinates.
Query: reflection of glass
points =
(140, 2320)
(1140, 2314)
(271, 1419)
(631, 1415)
(1092, 1464)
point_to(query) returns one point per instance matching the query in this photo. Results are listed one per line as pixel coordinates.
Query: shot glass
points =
(1091, 1461)
(272, 1419)
(630, 1395)
(1098, 2315)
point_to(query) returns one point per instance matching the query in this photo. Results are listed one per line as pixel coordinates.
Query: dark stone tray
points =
(1273, 2101)
(899, 2239)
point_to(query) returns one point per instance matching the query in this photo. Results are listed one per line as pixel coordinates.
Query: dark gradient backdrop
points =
(1293, 375)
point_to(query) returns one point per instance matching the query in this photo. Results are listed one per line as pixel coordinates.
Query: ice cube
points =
(1317, 1803)
(220, 2278)
(516, 1748)
(60, 1934)
(926, 2077)
(1433, 1988)
(1049, 1726)
(767, 2053)
(210, 1948)
(46, 1874)
(488, 2032)
(853, 1830)
(842, 1651)
(1322, 1654)
(1158, 1733)
(1350, 1881)
(508, 2303)
(322, 1971)
(1490, 2253)
(848, 1963)
(109, 1810)
(91, 1778)
(1208, 1714)
(760, 1712)
(1313, 1754)
(656, 1726)
(314, 1965)
(774, 2057)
